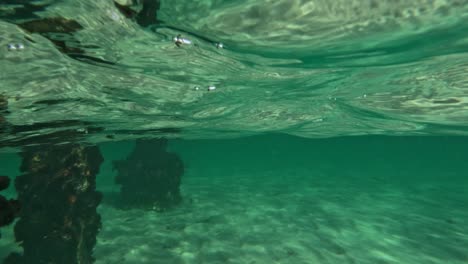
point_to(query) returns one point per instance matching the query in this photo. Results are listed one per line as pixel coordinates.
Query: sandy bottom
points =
(295, 218)
(301, 218)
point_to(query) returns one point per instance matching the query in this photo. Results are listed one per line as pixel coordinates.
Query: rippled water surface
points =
(92, 70)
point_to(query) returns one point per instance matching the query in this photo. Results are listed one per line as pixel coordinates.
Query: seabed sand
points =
(289, 217)
(298, 217)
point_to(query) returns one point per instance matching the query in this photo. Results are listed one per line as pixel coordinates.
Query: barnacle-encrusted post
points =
(58, 221)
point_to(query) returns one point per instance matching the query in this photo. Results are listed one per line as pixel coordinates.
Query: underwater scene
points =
(233, 131)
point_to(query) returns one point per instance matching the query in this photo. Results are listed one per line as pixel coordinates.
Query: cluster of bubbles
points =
(179, 41)
(15, 46)
(210, 88)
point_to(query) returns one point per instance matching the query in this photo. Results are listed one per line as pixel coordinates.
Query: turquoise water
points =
(246, 131)
(283, 199)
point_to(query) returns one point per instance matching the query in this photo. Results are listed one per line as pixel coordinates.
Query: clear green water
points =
(336, 132)
(283, 199)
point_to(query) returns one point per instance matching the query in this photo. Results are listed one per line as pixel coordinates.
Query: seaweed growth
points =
(150, 176)
(58, 221)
